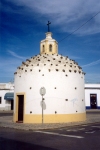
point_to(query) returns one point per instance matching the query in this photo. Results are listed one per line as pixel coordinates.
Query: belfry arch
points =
(43, 48)
(50, 48)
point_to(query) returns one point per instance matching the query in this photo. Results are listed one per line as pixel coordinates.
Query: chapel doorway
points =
(93, 101)
(20, 108)
(12, 101)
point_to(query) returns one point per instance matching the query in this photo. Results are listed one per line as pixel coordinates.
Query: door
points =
(20, 107)
(93, 101)
(12, 104)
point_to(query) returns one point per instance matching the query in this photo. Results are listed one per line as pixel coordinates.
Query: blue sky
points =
(23, 24)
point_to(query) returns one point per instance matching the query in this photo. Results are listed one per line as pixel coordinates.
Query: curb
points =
(43, 127)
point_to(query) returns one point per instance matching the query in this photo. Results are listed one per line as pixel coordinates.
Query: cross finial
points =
(48, 26)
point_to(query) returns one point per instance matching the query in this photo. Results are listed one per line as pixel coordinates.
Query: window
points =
(50, 48)
(43, 48)
(0, 100)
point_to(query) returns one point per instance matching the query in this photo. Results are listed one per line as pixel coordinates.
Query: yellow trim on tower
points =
(49, 41)
(55, 118)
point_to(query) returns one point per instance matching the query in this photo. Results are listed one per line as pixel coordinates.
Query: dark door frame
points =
(93, 101)
(20, 108)
(12, 104)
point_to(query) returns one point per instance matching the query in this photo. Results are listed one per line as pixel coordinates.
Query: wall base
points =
(57, 118)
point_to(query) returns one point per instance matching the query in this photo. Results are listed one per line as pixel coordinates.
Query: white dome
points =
(47, 61)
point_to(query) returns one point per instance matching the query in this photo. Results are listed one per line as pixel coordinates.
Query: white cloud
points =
(8, 66)
(66, 15)
(74, 57)
(92, 63)
(15, 55)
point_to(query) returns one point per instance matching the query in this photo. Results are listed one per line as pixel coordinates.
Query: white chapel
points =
(63, 80)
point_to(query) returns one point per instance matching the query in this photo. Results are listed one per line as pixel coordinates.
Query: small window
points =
(43, 48)
(50, 48)
(0, 100)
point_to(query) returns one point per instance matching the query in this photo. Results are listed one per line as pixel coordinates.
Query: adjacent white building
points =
(92, 96)
(6, 96)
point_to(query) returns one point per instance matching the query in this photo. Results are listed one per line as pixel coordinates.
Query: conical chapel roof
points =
(51, 62)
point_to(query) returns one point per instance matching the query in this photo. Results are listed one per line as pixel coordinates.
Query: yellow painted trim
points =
(15, 115)
(55, 118)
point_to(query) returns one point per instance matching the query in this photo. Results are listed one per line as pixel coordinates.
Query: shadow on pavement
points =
(6, 144)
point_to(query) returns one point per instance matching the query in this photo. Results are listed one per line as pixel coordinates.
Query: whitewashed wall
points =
(4, 88)
(92, 89)
(55, 99)
(5, 105)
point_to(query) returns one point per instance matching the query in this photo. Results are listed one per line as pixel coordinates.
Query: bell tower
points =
(49, 45)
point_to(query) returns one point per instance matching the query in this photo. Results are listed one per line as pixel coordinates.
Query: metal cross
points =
(48, 26)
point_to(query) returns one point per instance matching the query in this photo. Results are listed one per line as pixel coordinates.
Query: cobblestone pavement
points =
(6, 121)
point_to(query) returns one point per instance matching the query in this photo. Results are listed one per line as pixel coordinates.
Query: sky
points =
(75, 25)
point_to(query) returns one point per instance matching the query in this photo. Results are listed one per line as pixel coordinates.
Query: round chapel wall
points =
(63, 80)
